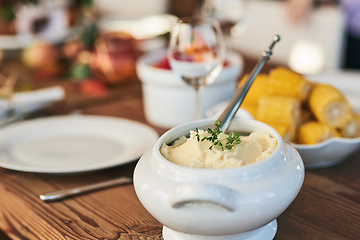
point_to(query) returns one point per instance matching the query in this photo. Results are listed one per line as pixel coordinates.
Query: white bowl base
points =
(266, 232)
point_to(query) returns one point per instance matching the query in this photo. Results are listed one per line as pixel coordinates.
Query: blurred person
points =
(299, 11)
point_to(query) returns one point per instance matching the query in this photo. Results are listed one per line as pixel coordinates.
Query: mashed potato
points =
(193, 153)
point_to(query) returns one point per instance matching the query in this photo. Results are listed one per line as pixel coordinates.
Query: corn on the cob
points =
(351, 129)
(287, 132)
(300, 110)
(257, 89)
(250, 106)
(284, 82)
(329, 105)
(306, 115)
(279, 110)
(315, 132)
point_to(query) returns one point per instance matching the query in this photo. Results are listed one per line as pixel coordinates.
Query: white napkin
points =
(34, 100)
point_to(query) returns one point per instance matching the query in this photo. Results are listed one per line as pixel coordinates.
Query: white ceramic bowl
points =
(235, 203)
(169, 101)
(334, 150)
(324, 154)
(327, 153)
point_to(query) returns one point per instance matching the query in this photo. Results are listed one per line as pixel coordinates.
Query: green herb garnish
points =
(230, 142)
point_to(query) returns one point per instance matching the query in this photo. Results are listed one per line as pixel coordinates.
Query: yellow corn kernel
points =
(351, 129)
(251, 107)
(315, 132)
(279, 110)
(257, 89)
(329, 105)
(287, 132)
(284, 82)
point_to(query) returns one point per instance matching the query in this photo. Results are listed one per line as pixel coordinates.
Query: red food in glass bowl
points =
(163, 89)
(165, 64)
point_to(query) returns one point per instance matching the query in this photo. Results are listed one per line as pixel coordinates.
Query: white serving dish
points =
(334, 150)
(327, 153)
(169, 101)
(226, 204)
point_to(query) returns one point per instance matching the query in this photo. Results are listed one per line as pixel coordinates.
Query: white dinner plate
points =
(75, 143)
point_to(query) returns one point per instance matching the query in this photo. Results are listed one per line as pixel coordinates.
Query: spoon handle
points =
(230, 111)
(64, 193)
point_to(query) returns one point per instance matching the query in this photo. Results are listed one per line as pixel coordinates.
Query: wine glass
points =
(232, 14)
(7, 84)
(196, 53)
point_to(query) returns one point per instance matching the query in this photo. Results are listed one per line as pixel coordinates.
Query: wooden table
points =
(327, 207)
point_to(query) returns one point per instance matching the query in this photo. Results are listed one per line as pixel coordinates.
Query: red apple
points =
(72, 48)
(40, 54)
(93, 88)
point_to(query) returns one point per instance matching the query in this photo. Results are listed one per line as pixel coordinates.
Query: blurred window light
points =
(307, 57)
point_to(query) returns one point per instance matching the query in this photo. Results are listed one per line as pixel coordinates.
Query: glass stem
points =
(197, 107)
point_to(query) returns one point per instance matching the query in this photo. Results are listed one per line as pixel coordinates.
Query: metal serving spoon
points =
(230, 111)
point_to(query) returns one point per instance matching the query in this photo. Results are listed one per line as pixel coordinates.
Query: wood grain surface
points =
(327, 207)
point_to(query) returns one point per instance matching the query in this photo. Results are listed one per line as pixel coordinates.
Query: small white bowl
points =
(219, 204)
(169, 101)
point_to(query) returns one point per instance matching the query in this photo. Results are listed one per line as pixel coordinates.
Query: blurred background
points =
(101, 40)
(91, 48)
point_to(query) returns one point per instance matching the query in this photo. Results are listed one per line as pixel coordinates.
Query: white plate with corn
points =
(318, 115)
